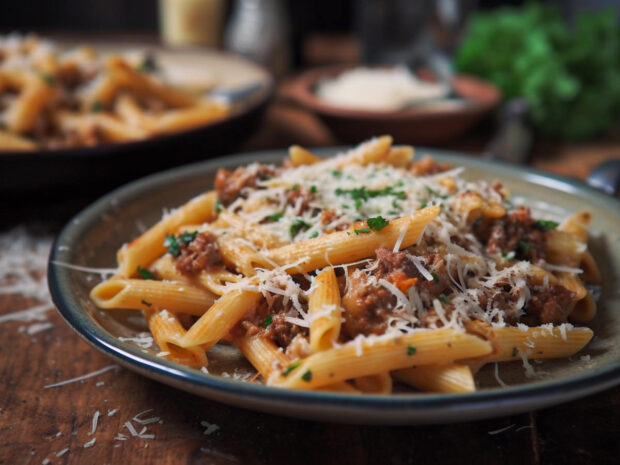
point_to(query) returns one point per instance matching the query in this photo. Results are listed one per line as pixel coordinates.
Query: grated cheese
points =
(83, 377)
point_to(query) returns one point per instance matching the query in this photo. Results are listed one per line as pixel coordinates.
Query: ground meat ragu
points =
(229, 184)
(293, 197)
(514, 232)
(200, 254)
(279, 330)
(550, 304)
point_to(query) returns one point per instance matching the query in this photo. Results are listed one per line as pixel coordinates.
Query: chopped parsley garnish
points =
(274, 216)
(307, 376)
(377, 223)
(298, 225)
(49, 79)
(546, 225)
(432, 191)
(435, 277)
(188, 237)
(337, 174)
(174, 248)
(393, 212)
(361, 231)
(508, 255)
(361, 194)
(96, 107)
(290, 368)
(444, 298)
(525, 246)
(313, 189)
(411, 350)
(144, 273)
(423, 205)
(144, 302)
(400, 183)
(314, 234)
(218, 206)
(294, 187)
(515, 351)
(174, 242)
(268, 321)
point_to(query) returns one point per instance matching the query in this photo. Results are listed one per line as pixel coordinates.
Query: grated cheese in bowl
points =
(378, 89)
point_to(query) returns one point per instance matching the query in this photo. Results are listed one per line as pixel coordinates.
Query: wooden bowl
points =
(415, 125)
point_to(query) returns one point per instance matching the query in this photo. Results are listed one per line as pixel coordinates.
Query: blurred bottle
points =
(191, 22)
(259, 30)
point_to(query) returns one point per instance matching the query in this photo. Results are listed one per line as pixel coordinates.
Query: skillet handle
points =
(606, 177)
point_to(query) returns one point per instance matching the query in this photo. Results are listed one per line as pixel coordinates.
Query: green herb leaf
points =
(444, 298)
(525, 246)
(313, 189)
(435, 277)
(546, 225)
(411, 350)
(49, 79)
(337, 174)
(274, 217)
(297, 226)
(314, 234)
(174, 248)
(218, 206)
(377, 223)
(361, 231)
(307, 376)
(268, 321)
(187, 237)
(290, 368)
(144, 273)
(294, 187)
(508, 256)
(96, 107)
(433, 192)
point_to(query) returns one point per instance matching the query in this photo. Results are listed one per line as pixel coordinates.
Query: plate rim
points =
(481, 403)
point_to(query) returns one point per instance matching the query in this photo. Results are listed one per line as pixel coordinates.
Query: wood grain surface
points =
(38, 424)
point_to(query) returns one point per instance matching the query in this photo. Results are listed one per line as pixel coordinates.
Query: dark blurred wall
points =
(79, 15)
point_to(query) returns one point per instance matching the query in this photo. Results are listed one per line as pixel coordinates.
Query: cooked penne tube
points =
(178, 120)
(256, 234)
(141, 294)
(325, 312)
(399, 155)
(300, 156)
(511, 343)
(373, 151)
(9, 141)
(378, 355)
(240, 255)
(35, 95)
(262, 353)
(167, 330)
(143, 250)
(213, 280)
(584, 311)
(220, 318)
(346, 246)
(381, 383)
(438, 378)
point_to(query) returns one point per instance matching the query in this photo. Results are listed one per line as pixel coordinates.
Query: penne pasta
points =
(346, 246)
(141, 294)
(381, 354)
(438, 378)
(143, 250)
(324, 309)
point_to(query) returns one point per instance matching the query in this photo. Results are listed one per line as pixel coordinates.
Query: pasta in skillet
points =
(52, 98)
(354, 272)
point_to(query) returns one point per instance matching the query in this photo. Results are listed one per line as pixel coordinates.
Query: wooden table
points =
(38, 424)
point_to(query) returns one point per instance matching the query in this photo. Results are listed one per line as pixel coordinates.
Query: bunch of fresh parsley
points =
(570, 75)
